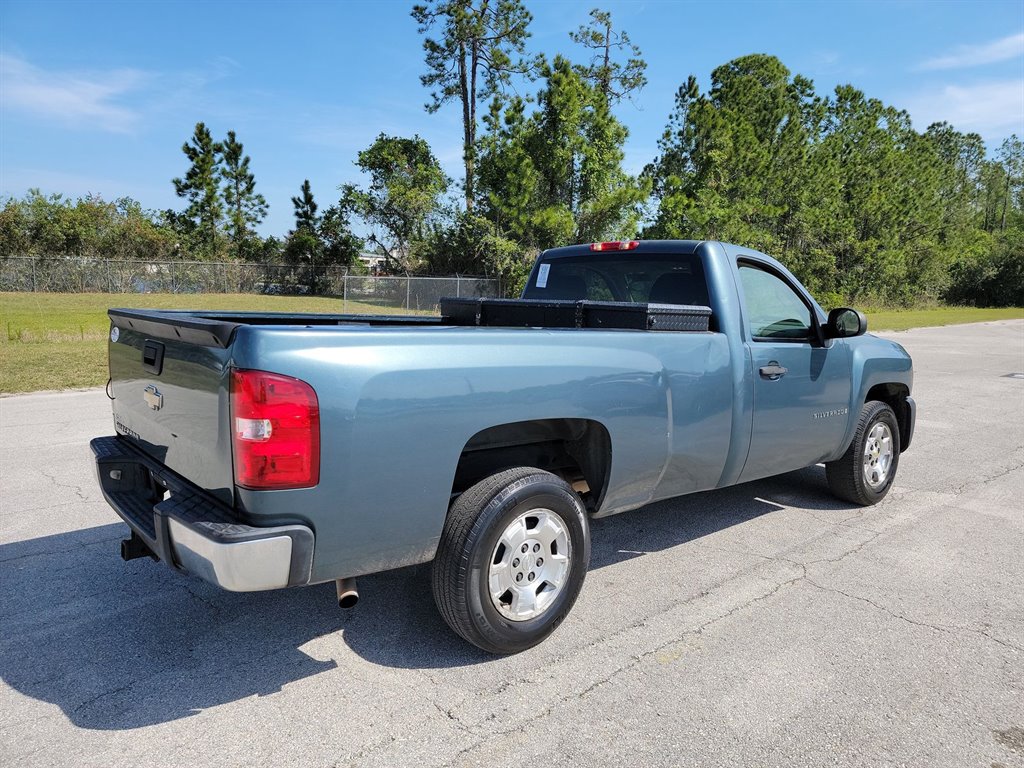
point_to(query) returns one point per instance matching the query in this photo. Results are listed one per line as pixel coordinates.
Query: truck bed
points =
(217, 328)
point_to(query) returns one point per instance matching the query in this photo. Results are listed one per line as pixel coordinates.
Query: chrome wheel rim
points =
(530, 565)
(878, 454)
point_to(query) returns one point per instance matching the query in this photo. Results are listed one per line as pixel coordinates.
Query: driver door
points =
(801, 390)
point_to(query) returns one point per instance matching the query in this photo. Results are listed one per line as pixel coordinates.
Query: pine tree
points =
(200, 185)
(478, 41)
(556, 176)
(613, 80)
(305, 210)
(304, 246)
(245, 206)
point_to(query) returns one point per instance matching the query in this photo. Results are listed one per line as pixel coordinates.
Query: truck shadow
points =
(124, 645)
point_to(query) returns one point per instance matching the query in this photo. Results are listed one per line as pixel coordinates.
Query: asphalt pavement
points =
(762, 625)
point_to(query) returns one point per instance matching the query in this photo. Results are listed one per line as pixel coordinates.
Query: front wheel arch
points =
(896, 396)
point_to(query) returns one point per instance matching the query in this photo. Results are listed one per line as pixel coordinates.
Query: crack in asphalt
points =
(669, 608)
(944, 628)
(972, 484)
(845, 522)
(186, 584)
(48, 715)
(71, 487)
(454, 718)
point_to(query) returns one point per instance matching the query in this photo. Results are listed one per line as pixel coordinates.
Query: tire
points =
(865, 473)
(483, 581)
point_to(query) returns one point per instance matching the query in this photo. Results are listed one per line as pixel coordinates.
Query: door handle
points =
(773, 371)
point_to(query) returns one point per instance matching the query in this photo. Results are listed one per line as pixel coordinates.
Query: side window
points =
(774, 310)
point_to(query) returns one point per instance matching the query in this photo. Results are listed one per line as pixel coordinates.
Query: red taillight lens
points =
(615, 245)
(275, 425)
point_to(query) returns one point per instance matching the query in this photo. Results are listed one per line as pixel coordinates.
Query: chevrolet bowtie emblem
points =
(153, 397)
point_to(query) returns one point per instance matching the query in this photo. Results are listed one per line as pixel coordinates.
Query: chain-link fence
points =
(74, 275)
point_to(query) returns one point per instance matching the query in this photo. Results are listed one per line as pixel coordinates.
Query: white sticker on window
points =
(542, 275)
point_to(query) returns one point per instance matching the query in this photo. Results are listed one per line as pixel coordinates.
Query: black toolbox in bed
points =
(542, 313)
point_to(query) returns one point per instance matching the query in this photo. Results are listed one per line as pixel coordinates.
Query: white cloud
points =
(994, 109)
(976, 55)
(77, 98)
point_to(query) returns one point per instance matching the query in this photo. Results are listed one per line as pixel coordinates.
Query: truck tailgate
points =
(169, 378)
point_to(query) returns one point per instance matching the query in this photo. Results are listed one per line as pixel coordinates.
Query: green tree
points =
(1011, 157)
(509, 178)
(843, 190)
(993, 180)
(471, 244)
(246, 208)
(578, 149)
(303, 246)
(612, 79)
(91, 227)
(320, 241)
(340, 246)
(200, 186)
(557, 176)
(887, 233)
(305, 209)
(733, 162)
(406, 183)
(481, 45)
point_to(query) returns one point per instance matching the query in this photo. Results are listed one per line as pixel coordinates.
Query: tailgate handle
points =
(153, 357)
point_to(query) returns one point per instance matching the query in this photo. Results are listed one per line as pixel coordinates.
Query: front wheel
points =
(864, 474)
(512, 559)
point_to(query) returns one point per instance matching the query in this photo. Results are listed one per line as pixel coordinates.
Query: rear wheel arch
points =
(577, 450)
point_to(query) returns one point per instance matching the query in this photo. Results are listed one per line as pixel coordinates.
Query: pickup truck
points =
(260, 451)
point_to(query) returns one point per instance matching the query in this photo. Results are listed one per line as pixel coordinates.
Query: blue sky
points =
(99, 96)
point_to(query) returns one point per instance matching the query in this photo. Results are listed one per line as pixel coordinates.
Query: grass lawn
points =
(59, 340)
(902, 319)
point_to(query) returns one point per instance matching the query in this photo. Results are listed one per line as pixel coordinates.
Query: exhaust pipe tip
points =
(348, 593)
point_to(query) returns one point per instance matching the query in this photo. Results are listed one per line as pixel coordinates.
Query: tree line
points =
(838, 186)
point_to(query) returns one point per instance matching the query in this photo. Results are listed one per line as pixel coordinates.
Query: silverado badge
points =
(153, 397)
(830, 414)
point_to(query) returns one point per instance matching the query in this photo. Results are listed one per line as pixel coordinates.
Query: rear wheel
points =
(865, 473)
(512, 559)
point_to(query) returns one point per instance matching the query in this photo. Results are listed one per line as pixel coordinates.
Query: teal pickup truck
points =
(261, 451)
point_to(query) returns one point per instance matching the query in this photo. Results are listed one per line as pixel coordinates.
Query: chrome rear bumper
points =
(191, 531)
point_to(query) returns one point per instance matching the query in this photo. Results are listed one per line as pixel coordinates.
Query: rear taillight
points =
(275, 426)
